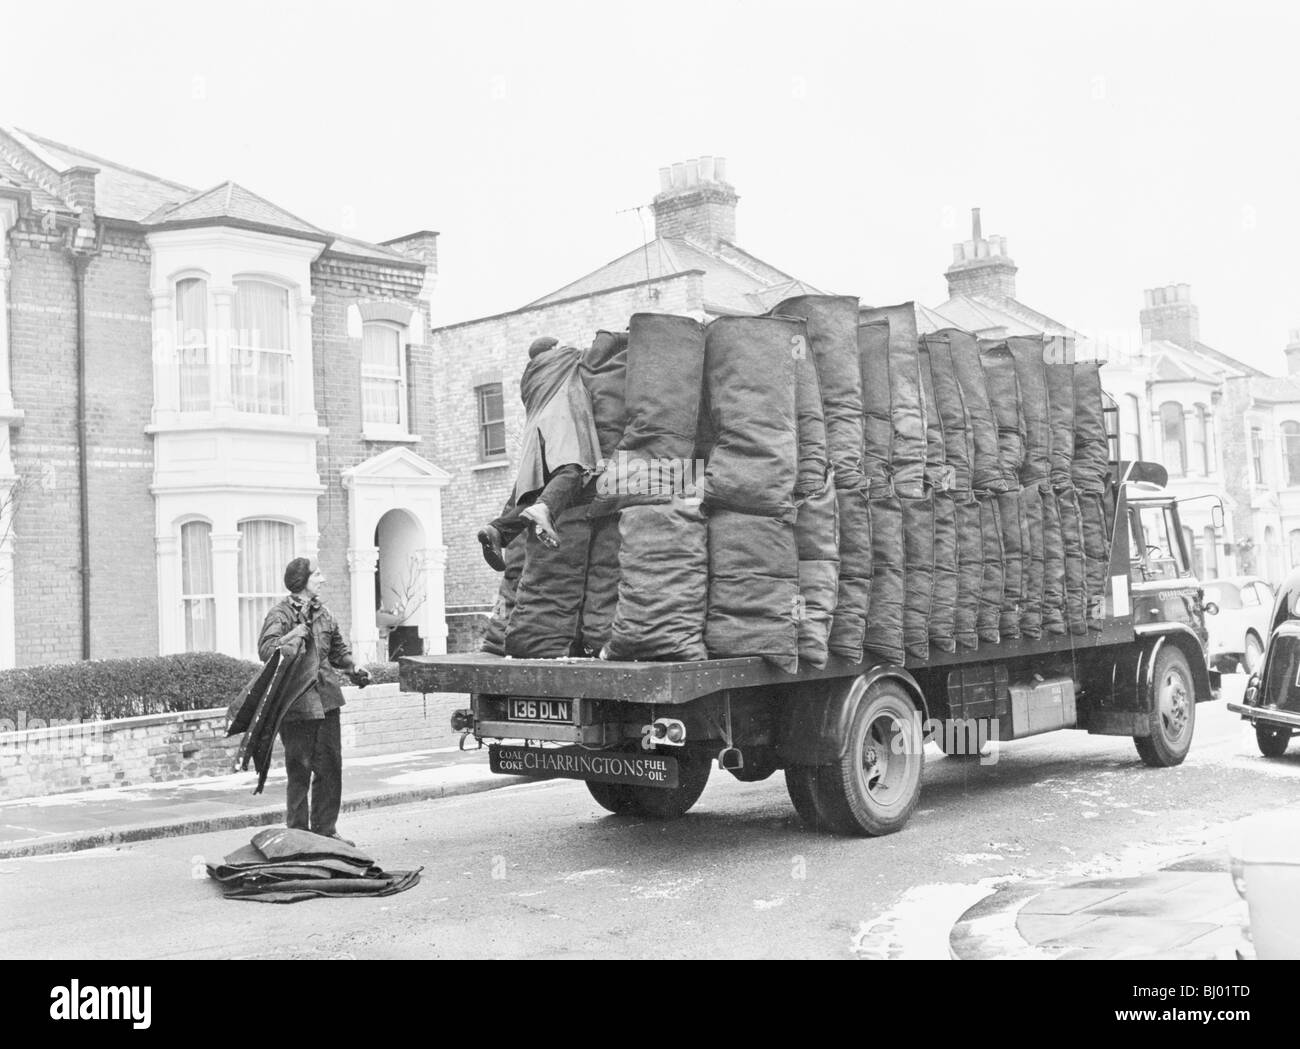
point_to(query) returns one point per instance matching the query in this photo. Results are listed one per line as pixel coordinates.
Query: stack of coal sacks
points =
(824, 481)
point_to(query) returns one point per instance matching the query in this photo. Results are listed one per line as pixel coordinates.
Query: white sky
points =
(1117, 146)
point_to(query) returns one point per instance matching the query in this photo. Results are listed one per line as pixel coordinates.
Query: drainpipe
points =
(79, 263)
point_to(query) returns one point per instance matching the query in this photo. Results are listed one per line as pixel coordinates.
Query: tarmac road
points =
(539, 871)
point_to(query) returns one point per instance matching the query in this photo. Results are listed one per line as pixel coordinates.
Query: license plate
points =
(541, 709)
(654, 770)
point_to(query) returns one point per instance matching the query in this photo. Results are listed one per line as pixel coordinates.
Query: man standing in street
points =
(313, 746)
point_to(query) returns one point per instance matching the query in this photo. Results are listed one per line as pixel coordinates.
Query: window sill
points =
(494, 464)
(371, 433)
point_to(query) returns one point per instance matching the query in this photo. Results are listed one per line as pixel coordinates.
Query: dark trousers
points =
(313, 757)
(558, 495)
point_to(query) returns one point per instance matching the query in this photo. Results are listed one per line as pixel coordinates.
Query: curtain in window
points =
(265, 547)
(259, 362)
(1291, 453)
(1198, 461)
(381, 375)
(192, 345)
(197, 600)
(1257, 454)
(1175, 447)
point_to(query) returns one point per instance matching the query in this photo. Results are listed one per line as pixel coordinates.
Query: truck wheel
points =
(667, 803)
(1172, 711)
(801, 785)
(1272, 740)
(875, 785)
(612, 797)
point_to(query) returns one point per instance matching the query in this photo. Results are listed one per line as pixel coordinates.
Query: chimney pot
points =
(720, 168)
(665, 179)
(706, 169)
(692, 173)
(976, 233)
(1184, 293)
(679, 175)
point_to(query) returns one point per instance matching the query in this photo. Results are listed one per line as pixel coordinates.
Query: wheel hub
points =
(1173, 704)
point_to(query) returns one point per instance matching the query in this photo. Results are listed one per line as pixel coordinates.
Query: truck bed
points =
(601, 679)
(682, 682)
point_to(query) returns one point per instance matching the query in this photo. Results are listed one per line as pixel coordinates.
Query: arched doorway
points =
(400, 582)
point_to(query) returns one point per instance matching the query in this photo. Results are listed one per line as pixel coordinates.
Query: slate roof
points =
(1275, 389)
(128, 194)
(230, 203)
(42, 199)
(1001, 317)
(730, 285)
(120, 192)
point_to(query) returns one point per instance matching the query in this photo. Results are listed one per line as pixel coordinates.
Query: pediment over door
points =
(396, 464)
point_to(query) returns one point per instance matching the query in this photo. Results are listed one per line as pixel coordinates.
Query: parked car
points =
(1239, 622)
(1272, 699)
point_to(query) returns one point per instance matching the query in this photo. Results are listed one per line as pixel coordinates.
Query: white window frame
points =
(379, 431)
(285, 352)
(241, 596)
(182, 343)
(185, 599)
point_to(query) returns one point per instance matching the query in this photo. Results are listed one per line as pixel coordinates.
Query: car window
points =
(1225, 595)
(1249, 597)
(1265, 594)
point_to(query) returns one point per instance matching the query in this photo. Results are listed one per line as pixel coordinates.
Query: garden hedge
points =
(118, 688)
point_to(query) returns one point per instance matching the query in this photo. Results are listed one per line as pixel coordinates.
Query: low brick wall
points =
(56, 759)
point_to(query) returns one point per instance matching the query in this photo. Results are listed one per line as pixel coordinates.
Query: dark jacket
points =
(260, 708)
(311, 681)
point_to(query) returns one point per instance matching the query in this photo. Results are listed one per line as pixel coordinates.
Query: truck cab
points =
(1163, 587)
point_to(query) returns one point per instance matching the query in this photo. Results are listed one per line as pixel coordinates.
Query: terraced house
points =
(195, 386)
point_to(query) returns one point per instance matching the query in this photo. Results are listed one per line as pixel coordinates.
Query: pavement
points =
(1187, 909)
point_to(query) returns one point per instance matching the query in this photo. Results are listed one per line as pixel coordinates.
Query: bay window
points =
(1174, 438)
(198, 600)
(265, 548)
(259, 352)
(192, 348)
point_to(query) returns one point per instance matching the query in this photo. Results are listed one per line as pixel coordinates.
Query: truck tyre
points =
(667, 803)
(612, 797)
(801, 785)
(876, 784)
(1171, 707)
(1272, 740)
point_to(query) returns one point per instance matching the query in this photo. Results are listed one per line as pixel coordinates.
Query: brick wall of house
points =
(495, 349)
(118, 341)
(119, 392)
(337, 284)
(43, 333)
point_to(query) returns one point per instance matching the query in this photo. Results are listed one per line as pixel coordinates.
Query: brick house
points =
(1224, 429)
(692, 266)
(196, 386)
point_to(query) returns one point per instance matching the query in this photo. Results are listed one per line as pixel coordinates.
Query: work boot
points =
(543, 526)
(339, 837)
(490, 539)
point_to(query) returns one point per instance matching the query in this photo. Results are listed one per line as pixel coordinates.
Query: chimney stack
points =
(981, 266)
(1169, 314)
(1292, 352)
(696, 202)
